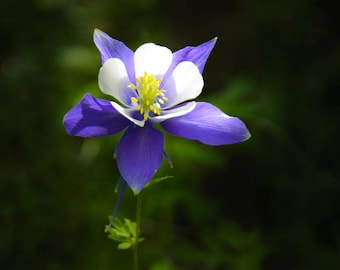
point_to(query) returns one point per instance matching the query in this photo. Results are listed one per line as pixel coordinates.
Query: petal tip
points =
(135, 191)
(244, 132)
(97, 32)
(247, 136)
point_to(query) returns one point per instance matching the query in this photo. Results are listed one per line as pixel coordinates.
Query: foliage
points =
(123, 232)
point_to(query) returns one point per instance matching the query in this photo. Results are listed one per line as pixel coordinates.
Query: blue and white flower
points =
(150, 86)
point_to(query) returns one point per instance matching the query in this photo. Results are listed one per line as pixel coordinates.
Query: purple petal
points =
(93, 117)
(198, 55)
(112, 48)
(139, 155)
(209, 125)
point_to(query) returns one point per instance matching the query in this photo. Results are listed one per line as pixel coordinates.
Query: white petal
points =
(127, 113)
(113, 80)
(185, 83)
(153, 59)
(167, 114)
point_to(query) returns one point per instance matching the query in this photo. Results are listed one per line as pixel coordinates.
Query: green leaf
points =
(130, 227)
(120, 237)
(141, 239)
(124, 245)
(116, 222)
(124, 232)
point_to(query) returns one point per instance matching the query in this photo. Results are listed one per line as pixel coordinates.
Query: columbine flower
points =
(150, 86)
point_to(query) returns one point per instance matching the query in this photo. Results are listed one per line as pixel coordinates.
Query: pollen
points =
(149, 97)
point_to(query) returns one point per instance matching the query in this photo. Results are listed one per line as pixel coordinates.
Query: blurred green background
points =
(272, 202)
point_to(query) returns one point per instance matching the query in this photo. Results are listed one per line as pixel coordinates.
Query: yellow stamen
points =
(150, 97)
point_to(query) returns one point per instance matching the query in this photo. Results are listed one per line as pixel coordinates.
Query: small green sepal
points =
(157, 180)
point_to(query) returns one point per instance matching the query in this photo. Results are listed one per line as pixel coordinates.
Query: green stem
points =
(138, 221)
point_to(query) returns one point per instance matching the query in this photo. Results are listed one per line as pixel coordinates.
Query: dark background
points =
(272, 202)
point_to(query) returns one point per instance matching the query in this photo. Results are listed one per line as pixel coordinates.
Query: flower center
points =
(150, 97)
